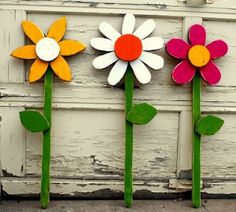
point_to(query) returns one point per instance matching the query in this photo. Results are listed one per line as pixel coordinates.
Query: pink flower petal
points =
(177, 48)
(183, 73)
(210, 73)
(197, 35)
(217, 48)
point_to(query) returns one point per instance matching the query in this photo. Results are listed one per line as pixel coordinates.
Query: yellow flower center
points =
(199, 55)
(47, 49)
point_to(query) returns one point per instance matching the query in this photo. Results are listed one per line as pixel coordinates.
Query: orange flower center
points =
(199, 55)
(47, 49)
(128, 47)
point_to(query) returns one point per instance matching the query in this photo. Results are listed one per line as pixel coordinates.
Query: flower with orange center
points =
(48, 50)
(130, 47)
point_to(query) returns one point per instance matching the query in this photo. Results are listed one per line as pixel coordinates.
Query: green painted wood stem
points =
(45, 178)
(129, 86)
(196, 142)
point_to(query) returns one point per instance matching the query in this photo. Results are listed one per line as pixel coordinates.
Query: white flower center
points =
(47, 49)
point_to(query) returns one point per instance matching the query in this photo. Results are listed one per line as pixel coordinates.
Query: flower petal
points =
(152, 60)
(183, 73)
(128, 24)
(32, 31)
(25, 52)
(197, 35)
(109, 31)
(70, 47)
(152, 43)
(37, 70)
(61, 68)
(177, 48)
(105, 60)
(210, 73)
(217, 48)
(117, 72)
(102, 44)
(140, 71)
(57, 29)
(145, 29)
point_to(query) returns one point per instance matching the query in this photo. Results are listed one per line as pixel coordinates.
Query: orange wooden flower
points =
(48, 50)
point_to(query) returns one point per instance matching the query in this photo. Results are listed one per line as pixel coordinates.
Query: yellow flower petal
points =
(37, 70)
(25, 52)
(32, 31)
(61, 68)
(57, 29)
(70, 47)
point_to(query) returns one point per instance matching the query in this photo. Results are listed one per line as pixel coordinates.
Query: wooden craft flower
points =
(196, 56)
(48, 50)
(130, 47)
(197, 63)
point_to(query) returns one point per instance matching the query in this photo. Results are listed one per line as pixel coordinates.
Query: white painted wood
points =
(100, 153)
(12, 143)
(152, 60)
(145, 29)
(82, 188)
(88, 115)
(105, 60)
(117, 72)
(102, 44)
(140, 71)
(108, 31)
(47, 49)
(11, 36)
(152, 43)
(128, 24)
(109, 189)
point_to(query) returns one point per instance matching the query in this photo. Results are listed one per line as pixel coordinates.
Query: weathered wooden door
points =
(88, 134)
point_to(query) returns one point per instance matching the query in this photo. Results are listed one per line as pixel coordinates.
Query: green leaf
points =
(141, 114)
(208, 125)
(34, 121)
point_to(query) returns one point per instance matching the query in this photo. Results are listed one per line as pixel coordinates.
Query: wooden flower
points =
(129, 47)
(48, 49)
(196, 56)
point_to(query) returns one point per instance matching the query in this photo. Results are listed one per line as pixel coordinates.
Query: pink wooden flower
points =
(196, 56)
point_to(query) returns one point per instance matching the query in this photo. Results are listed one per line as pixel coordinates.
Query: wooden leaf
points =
(141, 114)
(208, 125)
(34, 121)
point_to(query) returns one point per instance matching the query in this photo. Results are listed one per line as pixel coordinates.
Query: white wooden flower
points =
(130, 47)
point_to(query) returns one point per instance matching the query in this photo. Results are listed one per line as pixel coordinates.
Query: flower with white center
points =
(130, 47)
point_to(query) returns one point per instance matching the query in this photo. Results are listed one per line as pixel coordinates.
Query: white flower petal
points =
(140, 71)
(152, 60)
(145, 29)
(152, 43)
(102, 44)
(128, 24)
(105, 60)
(117, 72)
(109, 31)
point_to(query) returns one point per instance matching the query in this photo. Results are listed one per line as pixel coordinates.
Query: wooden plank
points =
(11, 37)
(12, 145)
(218, 151)
(109, 189)
(226, 30)
(82, 147)
(79, 188)
(174, 96)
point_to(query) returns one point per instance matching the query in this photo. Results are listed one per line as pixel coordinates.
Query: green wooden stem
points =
(196, 142)
(45, 178)
(129, 86)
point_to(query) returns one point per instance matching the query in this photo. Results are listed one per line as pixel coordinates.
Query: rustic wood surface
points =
(88, 130)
